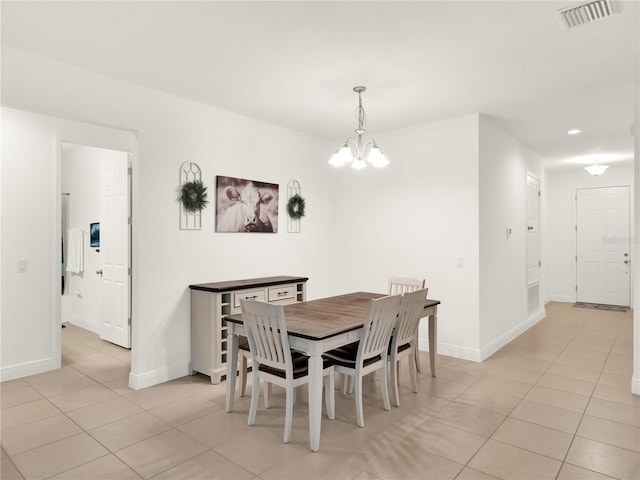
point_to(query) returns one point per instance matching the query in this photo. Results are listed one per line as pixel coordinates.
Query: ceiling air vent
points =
(586, 12)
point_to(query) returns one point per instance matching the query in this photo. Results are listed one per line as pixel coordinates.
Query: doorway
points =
(603, 245)
(96, 241)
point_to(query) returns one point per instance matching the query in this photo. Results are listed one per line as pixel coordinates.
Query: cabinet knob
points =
(99, 272)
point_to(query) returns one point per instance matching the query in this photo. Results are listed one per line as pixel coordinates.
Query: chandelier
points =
(356, 151)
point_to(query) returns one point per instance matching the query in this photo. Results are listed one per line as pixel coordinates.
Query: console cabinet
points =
(212, 302)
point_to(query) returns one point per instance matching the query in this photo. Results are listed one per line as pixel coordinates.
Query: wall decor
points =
(192, 196)
(246, 205)
(295, 206)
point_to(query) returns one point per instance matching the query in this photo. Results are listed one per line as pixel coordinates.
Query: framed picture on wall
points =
(94, 234)
(246, 205)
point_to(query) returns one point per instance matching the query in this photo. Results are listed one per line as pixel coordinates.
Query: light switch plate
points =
(23, 265)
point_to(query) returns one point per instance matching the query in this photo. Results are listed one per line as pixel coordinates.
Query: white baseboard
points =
(148, 379)
(560, 298)
(12, 372)
(635, 386)
(464, 353)
(475, 355)
(516, 331)
(84, 323)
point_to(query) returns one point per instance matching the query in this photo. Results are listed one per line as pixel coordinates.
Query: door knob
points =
(99, 272)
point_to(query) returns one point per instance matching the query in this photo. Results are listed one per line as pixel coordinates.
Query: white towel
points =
(75, 253)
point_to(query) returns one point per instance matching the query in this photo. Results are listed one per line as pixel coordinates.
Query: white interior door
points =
(603, 255)
(115, 324)
(533, 230)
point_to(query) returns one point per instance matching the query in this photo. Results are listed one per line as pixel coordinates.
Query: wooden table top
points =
(246, 283)
(326, 317)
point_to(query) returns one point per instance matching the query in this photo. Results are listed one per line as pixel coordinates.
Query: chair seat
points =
(401, 348)
(346, 356)
(243, 343)
(300, 366)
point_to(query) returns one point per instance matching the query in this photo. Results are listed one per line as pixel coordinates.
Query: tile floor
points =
(555, 403)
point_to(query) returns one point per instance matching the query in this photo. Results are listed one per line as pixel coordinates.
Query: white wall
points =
(166, 260)
(504, 304)
(80, 177)
(414, 218)
(560, 266)
(30, 203)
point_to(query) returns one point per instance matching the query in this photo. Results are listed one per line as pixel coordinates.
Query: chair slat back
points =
(267, 333)
(400, 285)
(411, 309)
(378, 326)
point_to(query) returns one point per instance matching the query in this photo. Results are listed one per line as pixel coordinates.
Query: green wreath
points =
(295, 207)
(193, 196)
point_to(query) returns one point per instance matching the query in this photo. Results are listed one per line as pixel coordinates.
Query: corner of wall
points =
(635, 383)
(138, 381)
(533, 318)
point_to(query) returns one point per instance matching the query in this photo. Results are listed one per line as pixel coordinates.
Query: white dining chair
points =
(403, 339)
(400, 285)
(370, 352)
(275, 363)
(244, 354)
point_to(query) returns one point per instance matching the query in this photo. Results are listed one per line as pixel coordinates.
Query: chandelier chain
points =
(360, 115)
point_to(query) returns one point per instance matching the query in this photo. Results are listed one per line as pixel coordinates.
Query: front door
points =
(114, 244)
(603, 254)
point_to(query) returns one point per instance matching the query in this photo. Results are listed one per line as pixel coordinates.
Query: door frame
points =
(575, 235)
(118, 144)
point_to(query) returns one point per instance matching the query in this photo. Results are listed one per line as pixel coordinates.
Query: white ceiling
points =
(295, 63)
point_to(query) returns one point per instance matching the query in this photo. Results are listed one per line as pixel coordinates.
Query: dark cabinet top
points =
(246, 283)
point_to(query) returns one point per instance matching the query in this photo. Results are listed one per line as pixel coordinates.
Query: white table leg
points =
(315, 400)
(433, 342)
(232, 363)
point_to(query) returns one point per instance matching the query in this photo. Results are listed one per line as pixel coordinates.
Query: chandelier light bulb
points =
(377, 158)
(358, 164)
(342, 156)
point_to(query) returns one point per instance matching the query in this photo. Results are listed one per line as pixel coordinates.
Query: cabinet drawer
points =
(282, 292)
(257, 295)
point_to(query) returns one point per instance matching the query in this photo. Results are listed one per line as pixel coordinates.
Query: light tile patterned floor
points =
(555, 403)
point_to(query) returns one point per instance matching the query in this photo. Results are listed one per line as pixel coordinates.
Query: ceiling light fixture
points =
(596, 169)
(356, 151)
(574, 131)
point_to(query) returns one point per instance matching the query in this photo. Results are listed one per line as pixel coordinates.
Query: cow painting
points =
(246, 206)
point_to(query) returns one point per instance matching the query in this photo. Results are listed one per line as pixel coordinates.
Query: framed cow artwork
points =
(246, 205)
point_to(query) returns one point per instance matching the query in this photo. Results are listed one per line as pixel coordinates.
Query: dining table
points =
(314, 327)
